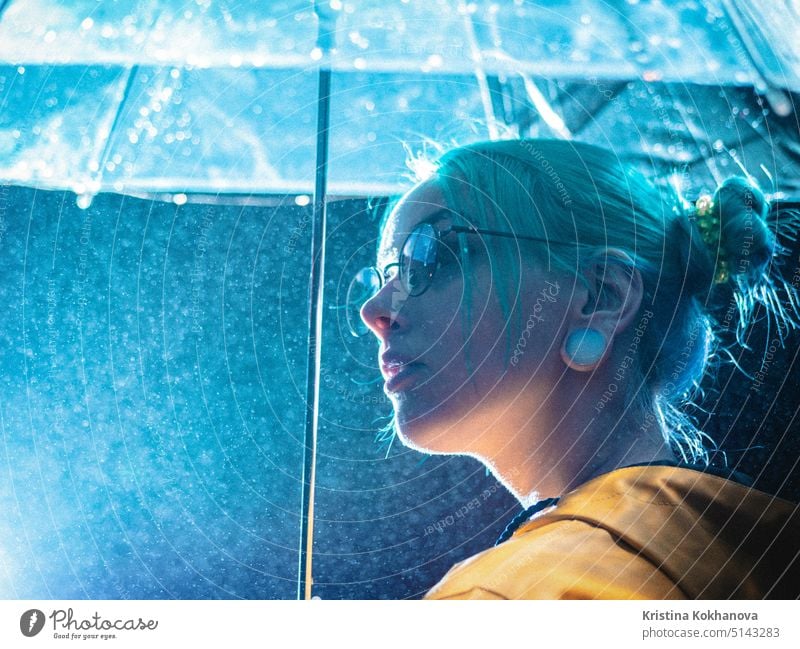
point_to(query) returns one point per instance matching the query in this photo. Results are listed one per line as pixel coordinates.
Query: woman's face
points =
(452, 388)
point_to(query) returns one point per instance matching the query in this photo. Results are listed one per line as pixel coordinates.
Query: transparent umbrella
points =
(158, 154)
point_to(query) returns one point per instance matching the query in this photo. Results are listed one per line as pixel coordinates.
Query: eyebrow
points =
(438, 215)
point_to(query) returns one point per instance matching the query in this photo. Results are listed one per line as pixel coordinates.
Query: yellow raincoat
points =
(646, 532)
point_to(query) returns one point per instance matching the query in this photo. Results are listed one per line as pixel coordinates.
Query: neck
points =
(549, 458)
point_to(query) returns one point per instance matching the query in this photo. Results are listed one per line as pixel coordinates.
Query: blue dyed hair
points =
(568, 191)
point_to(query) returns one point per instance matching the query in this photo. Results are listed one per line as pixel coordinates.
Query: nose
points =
(383, 312)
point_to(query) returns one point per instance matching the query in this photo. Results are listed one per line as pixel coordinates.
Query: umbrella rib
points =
(104, 155)
(480, 73)
(544, 109)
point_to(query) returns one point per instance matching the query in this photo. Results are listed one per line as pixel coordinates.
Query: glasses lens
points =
(365, 284)
(418, 259)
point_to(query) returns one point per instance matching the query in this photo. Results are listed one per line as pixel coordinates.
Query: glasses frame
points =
(440, 234)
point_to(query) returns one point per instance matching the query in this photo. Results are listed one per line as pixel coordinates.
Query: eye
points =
(451, 251)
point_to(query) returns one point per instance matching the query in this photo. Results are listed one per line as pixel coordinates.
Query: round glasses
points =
(417, 262)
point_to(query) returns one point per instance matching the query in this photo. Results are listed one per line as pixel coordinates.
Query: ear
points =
(607, 298)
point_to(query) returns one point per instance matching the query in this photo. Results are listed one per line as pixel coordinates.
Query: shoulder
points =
(562, 559)
(650, 532)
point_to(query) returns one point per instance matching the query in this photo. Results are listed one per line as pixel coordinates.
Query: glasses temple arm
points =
(508, 235)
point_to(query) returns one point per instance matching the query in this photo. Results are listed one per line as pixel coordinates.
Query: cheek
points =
(524, 334)
(536, 337)
(489, 337)
(439, 312)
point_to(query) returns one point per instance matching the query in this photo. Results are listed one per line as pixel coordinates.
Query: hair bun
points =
(745, 243)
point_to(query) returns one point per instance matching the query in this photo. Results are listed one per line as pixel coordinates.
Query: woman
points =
(540, 307)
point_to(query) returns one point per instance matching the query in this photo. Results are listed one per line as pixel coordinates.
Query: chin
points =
(414, 444)
(429, 434)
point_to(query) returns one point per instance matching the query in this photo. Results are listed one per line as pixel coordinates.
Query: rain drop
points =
(84, 201)
(435, 60)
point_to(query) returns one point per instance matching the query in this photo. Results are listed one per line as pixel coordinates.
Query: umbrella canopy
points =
(153, 350)
(219, 97)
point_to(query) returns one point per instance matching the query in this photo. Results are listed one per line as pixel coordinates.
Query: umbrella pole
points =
(315, 307)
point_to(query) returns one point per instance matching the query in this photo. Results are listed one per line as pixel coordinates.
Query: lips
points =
(392, 363)
(399, 372)
(403, 377)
